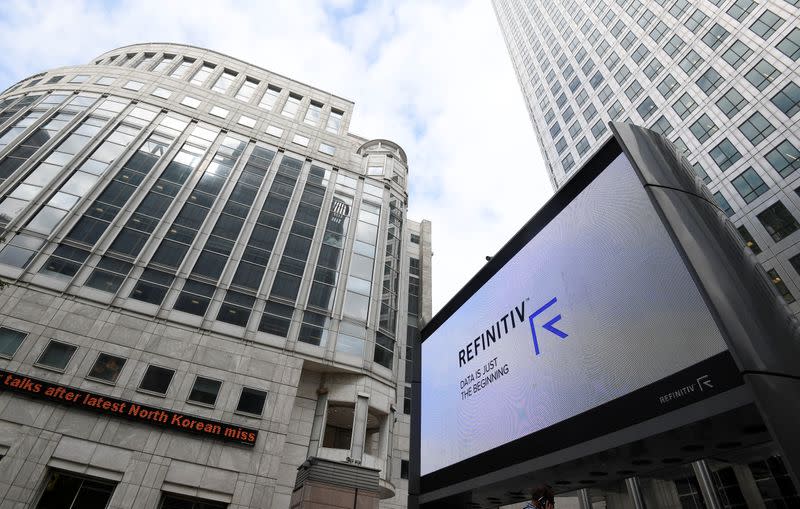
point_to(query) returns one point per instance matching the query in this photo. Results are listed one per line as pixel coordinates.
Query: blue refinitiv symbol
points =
(547, 326)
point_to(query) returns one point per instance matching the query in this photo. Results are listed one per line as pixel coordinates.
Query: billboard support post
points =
(584, 502)
(635, 492)
(703, 475)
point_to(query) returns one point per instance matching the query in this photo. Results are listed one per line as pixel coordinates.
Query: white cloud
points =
(433, 76)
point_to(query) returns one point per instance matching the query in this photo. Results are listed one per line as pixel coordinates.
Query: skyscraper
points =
(719, 78)
(209, 283)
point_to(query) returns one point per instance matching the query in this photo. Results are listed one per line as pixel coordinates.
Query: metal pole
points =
(583, 499)
(703, 474)
(635, 492)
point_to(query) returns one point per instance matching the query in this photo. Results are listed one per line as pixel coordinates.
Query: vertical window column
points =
(42, 135)
(184, 228)
(362, 261)
(384, 338)
(8, 136)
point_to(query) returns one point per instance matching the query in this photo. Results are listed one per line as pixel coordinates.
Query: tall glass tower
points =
(719, 78)
(212, 289)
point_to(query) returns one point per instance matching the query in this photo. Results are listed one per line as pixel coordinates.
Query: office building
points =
(208, 286)
(719, 78)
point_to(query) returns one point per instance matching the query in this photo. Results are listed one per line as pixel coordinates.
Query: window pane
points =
(9, 341)
(107, 367)
(251, 401)
(205, 390)
(156, 379)
(56, 355)
(778, 221)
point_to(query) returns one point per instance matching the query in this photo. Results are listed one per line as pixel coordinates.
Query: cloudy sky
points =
(431, 75)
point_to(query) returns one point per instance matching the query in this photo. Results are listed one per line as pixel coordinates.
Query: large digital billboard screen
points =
(597, 305)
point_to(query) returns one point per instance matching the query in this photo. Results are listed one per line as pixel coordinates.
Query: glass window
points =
(327, 149)
(152, 286)
(56, 355)
(313, 113)
(596, 80)
(190, 102)
(703, 128)
(195, 297)
(725, 154)
(247, 89)
(334, 121)
(748, 239)
(696, 20)
(10, 340)
(224, 81)
(276, 319)
(236, 308)
(133, 85)
(679, 8)
(169, 501)
(269, 98)
(790, 45)
(598, 129)
(684, 106)
(788, 99)
(640, 53)
(274, 131)
(709, 81)
(251, 401)
(338, 426)
(182, 68)
(105, 80)
(674, 45)
(723, 204)
(156, 379)
(622, 74)
(67, 490)
(291, 106)
(634, 90)
(202, 74)
(668, 85)
(645, 19)
(161, 92)
(715, 36)
(737, 54)
(778, 221)
(701, 173)
(783, 290)
(80, 78)
(756, 128)
(300, 140)
(658, 31)
(785, 158)
(740, 9)
(691, 62)
(749, 185)
(731, 103)
(165, 62)
(762, 75)
(766, 24)
(653, 69)
(204, 391)
(107, 368)
(662, 126)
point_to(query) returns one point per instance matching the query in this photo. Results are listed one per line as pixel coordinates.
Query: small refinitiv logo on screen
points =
(508, 322)
(548, 326)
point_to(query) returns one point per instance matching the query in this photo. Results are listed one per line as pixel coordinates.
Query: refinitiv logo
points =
(508, 322)
(548, 326)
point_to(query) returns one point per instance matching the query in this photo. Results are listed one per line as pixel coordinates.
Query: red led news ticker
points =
(128, 409)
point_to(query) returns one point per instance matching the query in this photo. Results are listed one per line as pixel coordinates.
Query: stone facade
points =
(308, 319)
